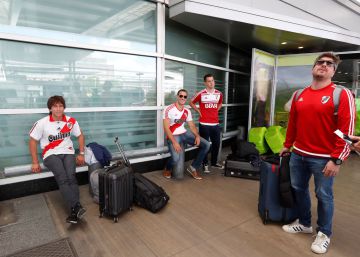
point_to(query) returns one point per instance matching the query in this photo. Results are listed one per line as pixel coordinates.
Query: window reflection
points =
(31, 73)
(127, 24)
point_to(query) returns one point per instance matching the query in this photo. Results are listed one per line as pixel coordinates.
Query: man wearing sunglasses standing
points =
(316, 150)
(174, 118)
(210, 102)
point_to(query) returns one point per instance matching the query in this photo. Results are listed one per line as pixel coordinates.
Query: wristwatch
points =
(336, 161)
(82, 153)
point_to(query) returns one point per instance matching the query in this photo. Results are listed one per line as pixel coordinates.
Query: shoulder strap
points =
(298, 93)
(336, 97)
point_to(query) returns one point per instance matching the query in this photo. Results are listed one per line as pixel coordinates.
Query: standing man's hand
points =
(331, 169)
(357, 144)
(284, 151)
(197, 140)
(35, 168)
(80, 160)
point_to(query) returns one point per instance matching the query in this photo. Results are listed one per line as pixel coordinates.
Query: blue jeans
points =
(301, 169)
(183, 139)
(211, 133)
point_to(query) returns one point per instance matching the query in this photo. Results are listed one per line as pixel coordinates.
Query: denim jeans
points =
(63, 167)
(183, 139)
(301, 169)
(211, 133)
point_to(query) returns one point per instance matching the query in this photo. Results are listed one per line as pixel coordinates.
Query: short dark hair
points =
(54, 100)
(331, 55)
(207, 76)
(182, 90)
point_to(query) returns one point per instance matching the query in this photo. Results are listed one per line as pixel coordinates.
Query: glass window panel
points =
(30, 73)
(129, 24)
(237, 116)
(181, 75)
(135, 129)
(239, 60)
(187, 43)
(239, 88)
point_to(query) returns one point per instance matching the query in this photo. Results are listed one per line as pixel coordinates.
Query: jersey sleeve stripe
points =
(346, 150)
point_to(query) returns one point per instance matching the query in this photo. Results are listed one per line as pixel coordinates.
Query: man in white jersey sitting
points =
(54, 132)
(174, 118)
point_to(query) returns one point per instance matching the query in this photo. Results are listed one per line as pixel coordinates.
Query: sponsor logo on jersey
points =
(58, 136)
(211, 106)
(301, 99)
(325, 99)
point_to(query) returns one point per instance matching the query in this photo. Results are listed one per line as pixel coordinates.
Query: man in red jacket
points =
(316, 150)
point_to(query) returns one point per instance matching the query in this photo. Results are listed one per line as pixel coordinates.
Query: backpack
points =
(336, 96)
(149, 195)
(242, 149)
(287, 199)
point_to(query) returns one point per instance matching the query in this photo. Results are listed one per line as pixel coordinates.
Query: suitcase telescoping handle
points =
(122, 152)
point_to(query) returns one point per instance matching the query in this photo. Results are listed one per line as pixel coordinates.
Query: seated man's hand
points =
(177, 147)
(80, 160)
(35, 168)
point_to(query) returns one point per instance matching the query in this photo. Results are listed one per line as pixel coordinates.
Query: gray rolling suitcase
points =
(116, 191)
(241, 169)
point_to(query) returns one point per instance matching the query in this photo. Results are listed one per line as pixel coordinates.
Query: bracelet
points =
(82, 153)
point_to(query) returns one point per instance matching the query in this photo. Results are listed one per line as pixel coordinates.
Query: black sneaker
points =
(72, 218)
(79, 211)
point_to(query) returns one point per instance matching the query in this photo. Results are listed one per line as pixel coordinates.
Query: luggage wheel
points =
(116, 219)
(101, 215)
(131, 209)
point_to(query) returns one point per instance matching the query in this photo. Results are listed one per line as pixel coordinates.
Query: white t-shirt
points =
(55, 136)
(177, 118)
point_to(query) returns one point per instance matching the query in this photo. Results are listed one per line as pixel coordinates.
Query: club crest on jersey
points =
(325, 99)
(69, 125)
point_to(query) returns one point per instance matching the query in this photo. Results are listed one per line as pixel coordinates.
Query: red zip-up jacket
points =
(312, 123)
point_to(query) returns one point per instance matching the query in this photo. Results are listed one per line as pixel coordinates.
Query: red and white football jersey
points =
(177, 118)
(209, 104)
(55, 136)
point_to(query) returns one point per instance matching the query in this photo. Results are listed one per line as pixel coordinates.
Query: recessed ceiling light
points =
(339, 71)
(345, 73)
(191, 53)
(283, 43)
(300, 47)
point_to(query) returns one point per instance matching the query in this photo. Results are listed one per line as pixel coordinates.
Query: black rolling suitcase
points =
(116, 187)
(241, 169)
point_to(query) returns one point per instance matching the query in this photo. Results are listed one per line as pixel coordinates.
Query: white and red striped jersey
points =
(209, 104)
(312, 123)
(55, 136)
(177, 118)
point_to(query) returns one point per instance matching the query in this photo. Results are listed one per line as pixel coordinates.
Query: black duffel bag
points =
(243, 149)
(149, 195)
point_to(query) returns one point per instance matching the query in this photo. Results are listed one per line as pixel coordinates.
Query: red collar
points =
(52, 119)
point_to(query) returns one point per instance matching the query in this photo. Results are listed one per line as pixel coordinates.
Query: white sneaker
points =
(206, 168)
(296, 227)
(321, 243)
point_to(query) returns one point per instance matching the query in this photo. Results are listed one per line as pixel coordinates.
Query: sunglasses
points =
(183, 96)
(327, 63)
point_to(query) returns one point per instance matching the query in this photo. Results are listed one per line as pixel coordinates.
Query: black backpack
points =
(149, 195)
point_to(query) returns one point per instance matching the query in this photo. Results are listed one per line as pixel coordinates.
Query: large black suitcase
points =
(116, 191)
(241, 169)
(269, 196)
